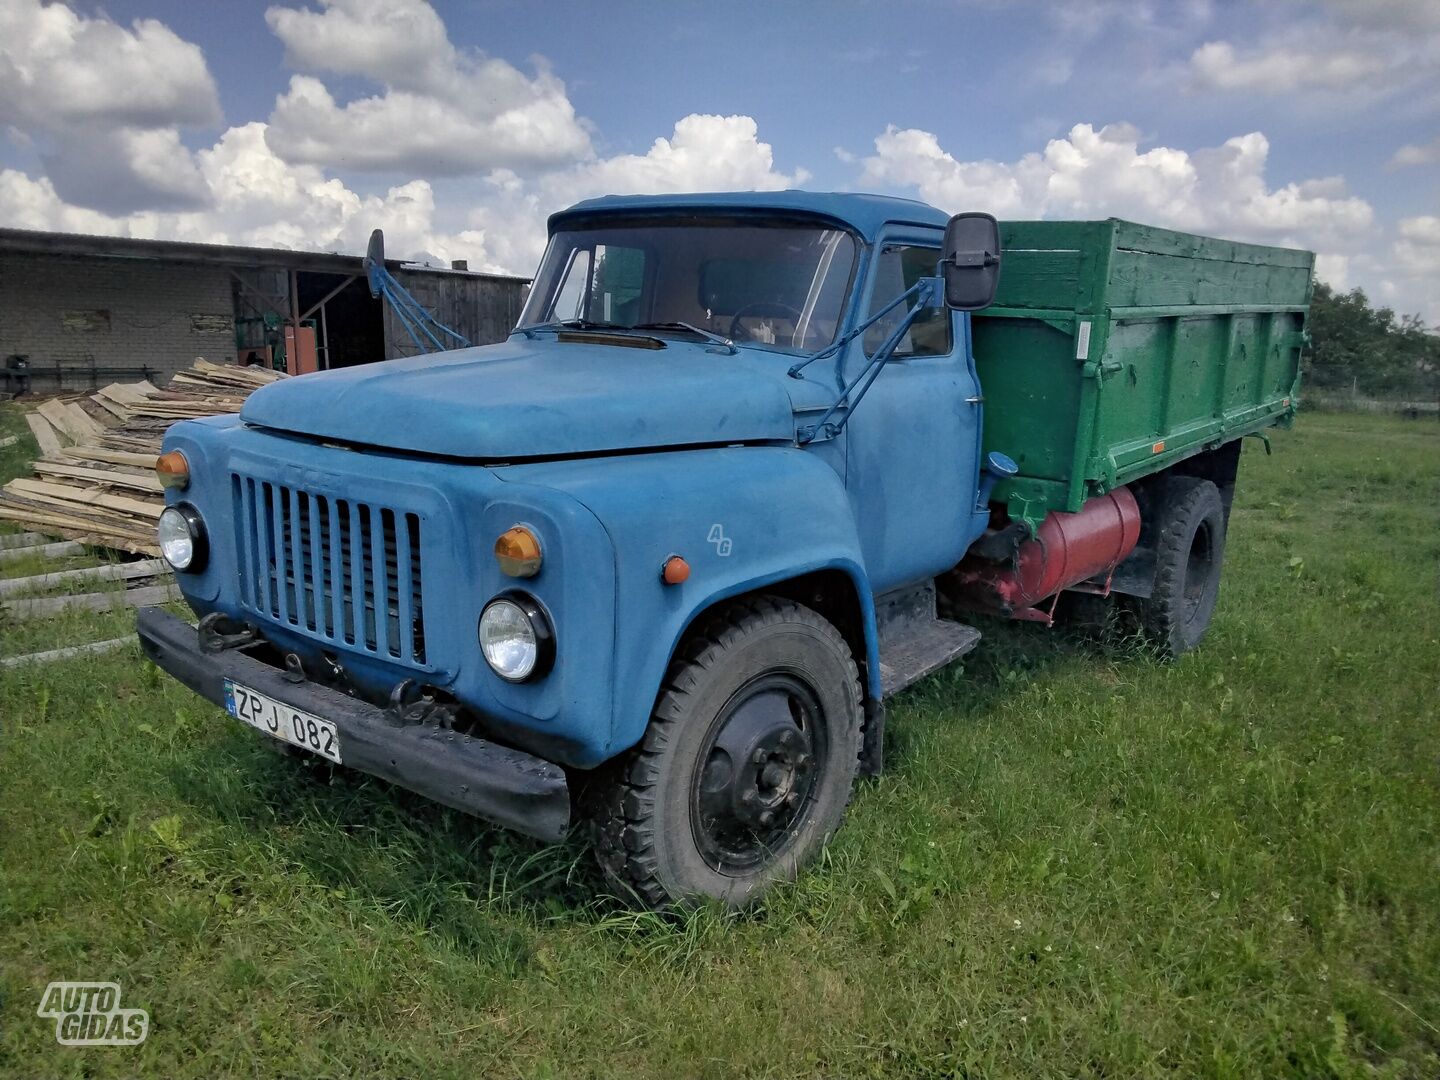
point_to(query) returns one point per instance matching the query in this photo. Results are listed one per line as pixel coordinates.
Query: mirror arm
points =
(980, 259)
(925, 291)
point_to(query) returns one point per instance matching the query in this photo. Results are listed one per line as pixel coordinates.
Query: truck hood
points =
(537, 398)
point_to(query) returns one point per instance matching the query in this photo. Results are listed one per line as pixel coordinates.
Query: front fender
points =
(743, 517)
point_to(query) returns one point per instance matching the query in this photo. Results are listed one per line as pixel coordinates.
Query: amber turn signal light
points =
(173, 470)
(518, 552)
(675, 570)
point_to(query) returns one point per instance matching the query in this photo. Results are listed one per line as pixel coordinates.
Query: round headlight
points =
(515, 637)
(181, 534)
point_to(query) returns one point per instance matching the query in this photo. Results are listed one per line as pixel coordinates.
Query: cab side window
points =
(897, 268)
(619, 284)
(603, 284)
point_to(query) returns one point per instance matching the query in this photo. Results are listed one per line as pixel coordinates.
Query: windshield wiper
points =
(716, 339)
(572, 324)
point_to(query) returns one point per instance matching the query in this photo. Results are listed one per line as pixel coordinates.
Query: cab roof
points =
(865, 214)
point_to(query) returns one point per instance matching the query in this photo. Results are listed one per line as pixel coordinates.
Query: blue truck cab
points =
(652, 564)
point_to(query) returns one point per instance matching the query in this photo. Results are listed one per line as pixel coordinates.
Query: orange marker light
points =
(675, 570)
(1158, 448)
(518, 552)
(173, 470)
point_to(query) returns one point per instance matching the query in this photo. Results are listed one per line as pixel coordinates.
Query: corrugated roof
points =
(126, 247)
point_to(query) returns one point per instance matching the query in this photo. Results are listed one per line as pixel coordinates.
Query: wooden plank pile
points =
(61, 587)
(95, 481)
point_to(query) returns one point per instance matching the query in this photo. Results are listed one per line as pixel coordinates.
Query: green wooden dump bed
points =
(1114, 350)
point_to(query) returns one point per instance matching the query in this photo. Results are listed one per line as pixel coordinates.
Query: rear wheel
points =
(747, 764)
(1190, 550)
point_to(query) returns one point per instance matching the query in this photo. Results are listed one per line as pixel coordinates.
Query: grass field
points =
(1080, 862)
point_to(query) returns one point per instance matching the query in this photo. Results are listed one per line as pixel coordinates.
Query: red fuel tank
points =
(1066, 550)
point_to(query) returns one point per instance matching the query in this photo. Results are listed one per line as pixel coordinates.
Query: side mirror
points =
(970, 263)
(375, 258)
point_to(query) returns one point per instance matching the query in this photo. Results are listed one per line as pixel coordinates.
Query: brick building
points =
(86, 310)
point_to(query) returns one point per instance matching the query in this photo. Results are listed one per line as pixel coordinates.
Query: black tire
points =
(674, 819)
(1189, 554)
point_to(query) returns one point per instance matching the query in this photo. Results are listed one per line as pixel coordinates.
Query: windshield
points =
(775, 284)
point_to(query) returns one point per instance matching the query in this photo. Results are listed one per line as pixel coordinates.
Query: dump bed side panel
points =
(1115, 349)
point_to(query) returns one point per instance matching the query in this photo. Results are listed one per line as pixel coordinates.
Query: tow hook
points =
(219, 633)
(411, 703)
(294, 669)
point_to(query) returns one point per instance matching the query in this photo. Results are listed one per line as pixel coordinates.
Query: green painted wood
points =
(1148, 238)
(1192, 341)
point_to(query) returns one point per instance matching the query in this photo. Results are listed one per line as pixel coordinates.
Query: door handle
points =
(975, 400)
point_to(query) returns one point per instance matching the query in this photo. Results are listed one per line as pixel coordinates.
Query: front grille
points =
(343, 571)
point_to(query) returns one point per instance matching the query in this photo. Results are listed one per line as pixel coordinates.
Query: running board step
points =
(919, 648)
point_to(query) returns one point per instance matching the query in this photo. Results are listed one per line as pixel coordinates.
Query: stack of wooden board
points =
(95, 481)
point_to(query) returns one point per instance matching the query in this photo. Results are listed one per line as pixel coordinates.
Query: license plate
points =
(284, 722)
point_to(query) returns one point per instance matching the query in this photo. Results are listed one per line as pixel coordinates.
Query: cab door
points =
(913, 443)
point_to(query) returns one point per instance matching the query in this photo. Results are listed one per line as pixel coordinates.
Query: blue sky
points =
(458, 126)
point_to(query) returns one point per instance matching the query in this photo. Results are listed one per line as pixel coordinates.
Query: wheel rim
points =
(1197, 569)
(758, 773)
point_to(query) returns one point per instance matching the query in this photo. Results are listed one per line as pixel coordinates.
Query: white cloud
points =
(103, 104)
(1092, 173)
(1417, 153)
(123, 168)
(255, 197)
(1219, 65)
(400, 44)
(1414, 267)
(1221, 191)
(703, 153)
(442, 112)
(1334, 270)
(1364, 49)
(1417, 250)
(59, 69)
(1399, 15)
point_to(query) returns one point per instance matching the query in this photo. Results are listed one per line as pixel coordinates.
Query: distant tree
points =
(1354, 346)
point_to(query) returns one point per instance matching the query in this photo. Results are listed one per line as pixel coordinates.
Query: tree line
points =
(1369, 351)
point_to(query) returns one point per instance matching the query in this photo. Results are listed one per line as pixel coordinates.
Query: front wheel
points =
(746, 766)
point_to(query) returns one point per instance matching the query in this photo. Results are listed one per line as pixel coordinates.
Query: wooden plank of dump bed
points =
(26, 539)
(44, 433)
(104, 601)
(47, 551)
(64, 654)
(145, 568)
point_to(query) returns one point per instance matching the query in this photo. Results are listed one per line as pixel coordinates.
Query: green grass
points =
(1080, 862)
(15, 458)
